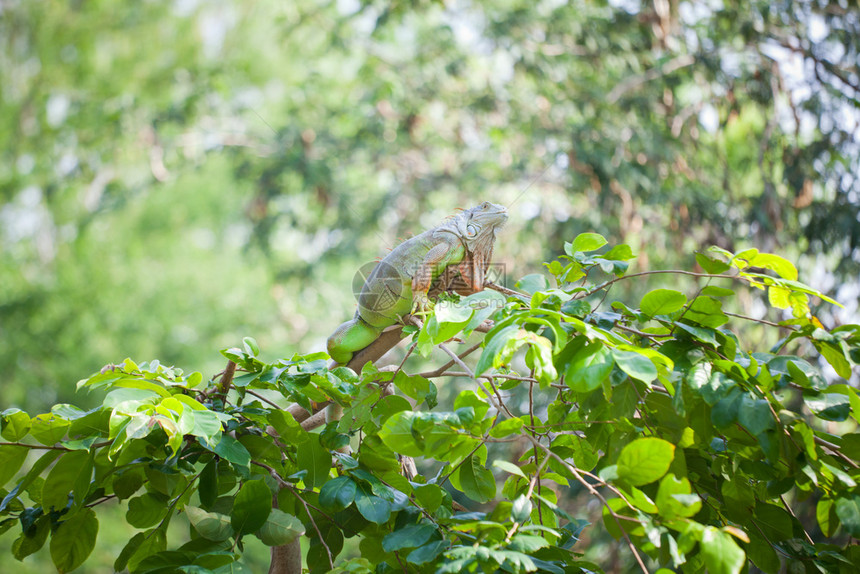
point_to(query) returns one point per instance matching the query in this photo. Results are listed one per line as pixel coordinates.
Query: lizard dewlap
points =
(400, 282)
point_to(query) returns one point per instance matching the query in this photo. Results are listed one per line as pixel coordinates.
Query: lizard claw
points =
(421, 304)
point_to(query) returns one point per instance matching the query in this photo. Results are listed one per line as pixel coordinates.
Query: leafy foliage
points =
(703, 452)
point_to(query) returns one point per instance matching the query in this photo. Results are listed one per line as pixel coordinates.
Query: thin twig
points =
(499, 396)
(101, 500)
(173, 503)
(506, 291)
(459, 464)
(446, 366)
(406, 356)
(606, 284)
(457, 360)
(576, 473)
(834, 449)
(528, 495)
(790, 511)
(317, 529)
(762, 321)
(264, 399)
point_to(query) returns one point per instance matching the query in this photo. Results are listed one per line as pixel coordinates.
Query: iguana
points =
(400, 282)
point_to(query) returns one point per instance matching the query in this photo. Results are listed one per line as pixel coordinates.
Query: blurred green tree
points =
(177, 174)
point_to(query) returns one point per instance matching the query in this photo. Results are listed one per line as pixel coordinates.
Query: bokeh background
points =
(178, 174)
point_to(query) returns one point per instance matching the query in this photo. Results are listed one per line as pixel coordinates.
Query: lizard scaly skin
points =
(400, 282)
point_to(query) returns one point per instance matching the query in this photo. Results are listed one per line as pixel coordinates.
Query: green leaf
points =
(74, 540)
(715, 291)
(778, 296)
(507, 428)
(721, 553)
(783, 267)
(848, 511)
(252, 507)
(675, 498)
(280, 528)
(11, 459)
(314, 459)
(146, 510)
(15, 424)
(373, 508)
(62, 478)
(397, 434)
(210, 525)
(414, 386)
(430, 496)
(761, 552)
(828, 406)
(662, 302)
(428, 552)
(229, 449)
(493, 351)
(835, 355)
(825, 513)
(128, 550)
(585, 242)
(533, 283)
(48, 429)
(207, 487)
(774, 521)
(411, 536)
(32, 539)
(755, 414)
(637, 365)
(706, 311)
(337, 494)
(702, 334)
(619, 253)
(645, 460)
(528, 543)
(725, 412)
(711, 264)
(589, 367)
(44, 461)
(476, 482)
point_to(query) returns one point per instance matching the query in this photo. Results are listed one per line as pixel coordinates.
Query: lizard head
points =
(477, 228)
(483, 219)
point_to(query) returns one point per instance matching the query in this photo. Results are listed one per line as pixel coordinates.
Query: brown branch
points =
(226, 379)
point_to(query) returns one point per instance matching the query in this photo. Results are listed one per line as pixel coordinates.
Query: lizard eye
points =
(485, 205)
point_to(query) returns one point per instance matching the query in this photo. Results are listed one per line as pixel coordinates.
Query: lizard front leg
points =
(434, 263)
(472, 271)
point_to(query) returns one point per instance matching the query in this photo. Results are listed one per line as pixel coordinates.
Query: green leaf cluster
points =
(699, 450)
